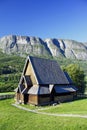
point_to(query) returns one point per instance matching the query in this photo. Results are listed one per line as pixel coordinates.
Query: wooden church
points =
(43, 82)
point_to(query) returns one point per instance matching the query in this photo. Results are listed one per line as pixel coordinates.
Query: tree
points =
(77, 75)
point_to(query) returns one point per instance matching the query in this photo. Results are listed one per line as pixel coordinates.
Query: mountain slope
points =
(24, 45)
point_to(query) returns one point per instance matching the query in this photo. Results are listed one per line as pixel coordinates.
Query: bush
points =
(77, 75)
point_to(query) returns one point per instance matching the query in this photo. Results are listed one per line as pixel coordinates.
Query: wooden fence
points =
(81, 95)
(6, 96)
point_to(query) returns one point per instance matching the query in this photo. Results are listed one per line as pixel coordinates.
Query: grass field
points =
(12, 118)
(75, 107)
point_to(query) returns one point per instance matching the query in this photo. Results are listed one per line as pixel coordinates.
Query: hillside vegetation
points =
(11, 67)
(10, 71)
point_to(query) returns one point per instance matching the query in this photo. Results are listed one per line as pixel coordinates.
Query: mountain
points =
(25, 45)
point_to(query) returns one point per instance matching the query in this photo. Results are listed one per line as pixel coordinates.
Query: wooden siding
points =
(29, 71)
(44, 99)
(63, 98)
(19, 97)
(33, 99)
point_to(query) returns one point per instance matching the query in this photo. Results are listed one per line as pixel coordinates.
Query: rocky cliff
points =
(24, 45)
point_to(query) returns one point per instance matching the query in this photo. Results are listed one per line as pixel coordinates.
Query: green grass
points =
(75, 107)
(12, 118)
(7, 93)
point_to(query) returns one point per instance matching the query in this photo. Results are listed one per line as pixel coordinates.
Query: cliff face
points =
(24, 45)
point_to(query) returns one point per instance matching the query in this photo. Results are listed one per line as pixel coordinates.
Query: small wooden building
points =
(43, 82)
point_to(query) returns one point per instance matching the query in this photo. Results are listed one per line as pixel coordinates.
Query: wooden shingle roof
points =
(39, 90)
(68, 77)
(48, 71)
(65, 89)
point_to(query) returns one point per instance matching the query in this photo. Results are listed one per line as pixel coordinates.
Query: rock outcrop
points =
(24, 45)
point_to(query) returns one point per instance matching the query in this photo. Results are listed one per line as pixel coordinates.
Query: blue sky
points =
(65, 19)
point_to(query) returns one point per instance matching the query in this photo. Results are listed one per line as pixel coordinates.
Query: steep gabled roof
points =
(21, 88)
(27, 79)
(48, 71)
(39, 90)
(65, 89)
(25, 90)
(68, 78)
